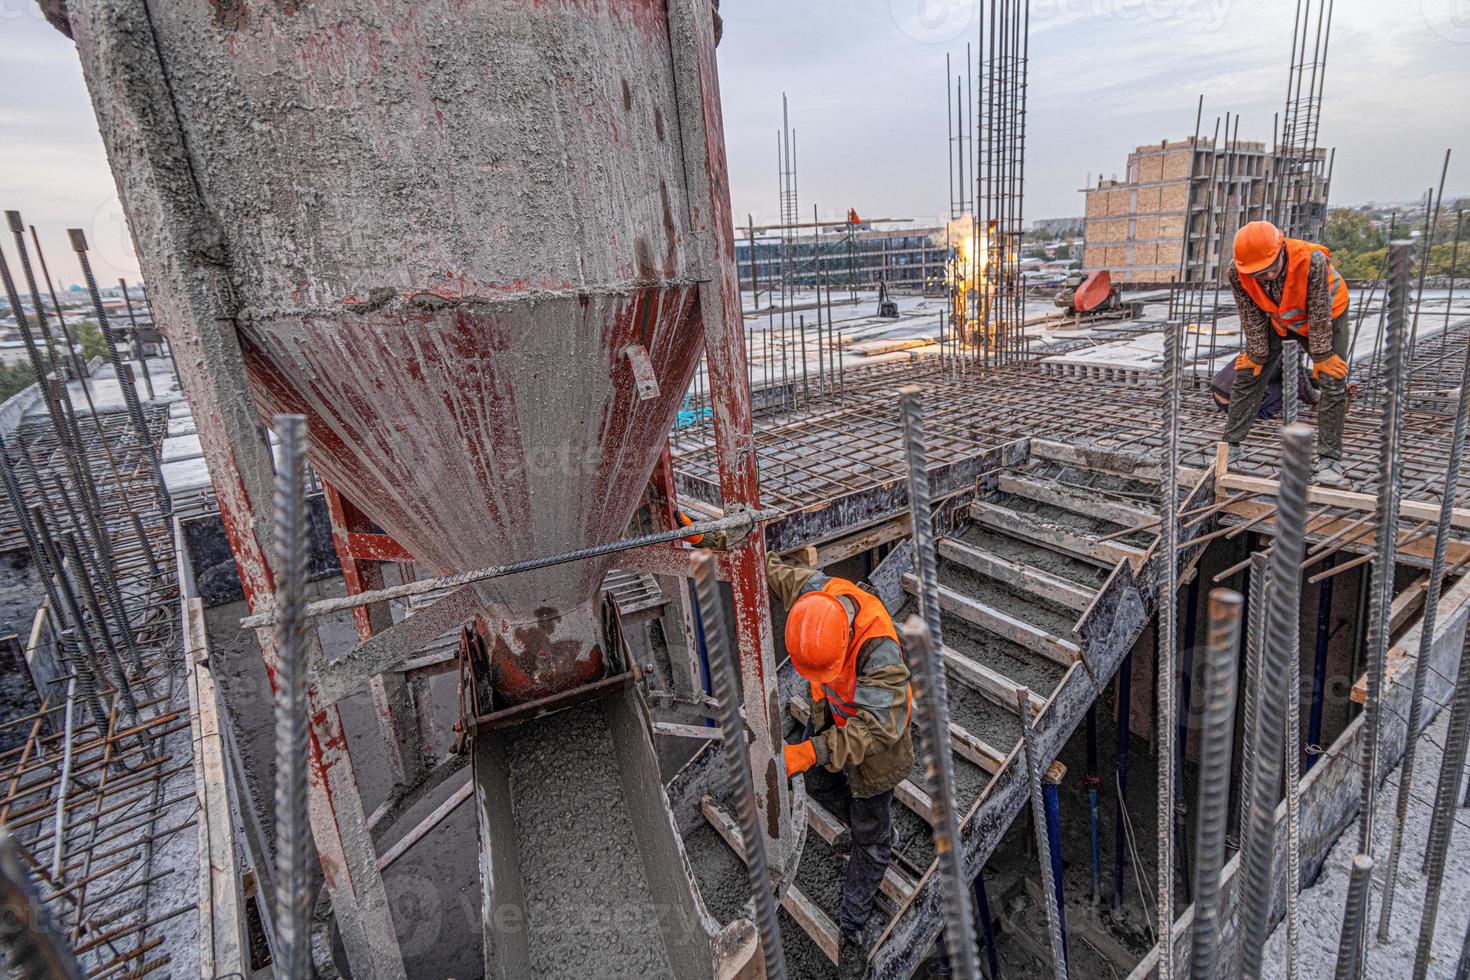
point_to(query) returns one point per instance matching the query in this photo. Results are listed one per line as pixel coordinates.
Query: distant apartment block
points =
(1137, 229)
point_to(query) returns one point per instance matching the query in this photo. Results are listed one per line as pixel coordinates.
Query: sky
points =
(865, 83)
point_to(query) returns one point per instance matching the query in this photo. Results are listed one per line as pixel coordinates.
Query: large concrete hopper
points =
(479, 246)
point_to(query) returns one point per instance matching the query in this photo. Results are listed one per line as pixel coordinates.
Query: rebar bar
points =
(124, 379)
(1390, 480)
(1426, 639)
(1168, 602)
(738, 521)
(137, 339)
(741, 783)
(33, 947)
(1443, 814)
(1032, 759)
(88, 681)
(922, 643)
(293, 897)
(1249, 720)
(1221, 650)
(1354, 919)
(72, 557)
(1282, 623)
(58, 835)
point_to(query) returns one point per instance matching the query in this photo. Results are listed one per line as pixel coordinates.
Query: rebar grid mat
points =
(129, 790)
(809, 455)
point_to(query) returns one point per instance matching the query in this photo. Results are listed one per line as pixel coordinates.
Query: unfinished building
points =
(1136, 227)
(418, 626)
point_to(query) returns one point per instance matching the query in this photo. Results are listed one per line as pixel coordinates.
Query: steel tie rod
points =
(739, 521)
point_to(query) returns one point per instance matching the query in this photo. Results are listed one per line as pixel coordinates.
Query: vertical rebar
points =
(1221, 649)
(124, 380)
(145, 545)
(73, 557)
(1443, 814)
(1390, 481)
(1038, 820)
(932, 715)
(1168, 602)
(922, 643)
(1444, 808)
(1354, 919)
(1426, 640)
(1282, 624)
(137, 339)
(87, 676)
(97, 573)
(33, 947)
(292, 829)
(741, 783)
(74, 614)
(1250, 713)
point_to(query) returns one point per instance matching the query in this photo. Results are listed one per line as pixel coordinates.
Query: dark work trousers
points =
(1249, 389)
(871, 820)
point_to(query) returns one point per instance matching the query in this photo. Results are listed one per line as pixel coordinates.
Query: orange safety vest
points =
(1290, 315)
(871, 622)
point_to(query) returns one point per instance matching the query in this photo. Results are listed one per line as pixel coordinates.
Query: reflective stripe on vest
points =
(1290, 314)
(870, 622)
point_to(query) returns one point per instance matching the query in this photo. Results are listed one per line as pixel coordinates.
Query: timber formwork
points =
(101, 799)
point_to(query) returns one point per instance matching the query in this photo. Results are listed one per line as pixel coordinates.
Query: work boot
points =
(1329, 473)
(852, 958)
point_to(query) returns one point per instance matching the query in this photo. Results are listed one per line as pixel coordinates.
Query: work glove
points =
(799, 757)
(1244, 363)
(1332, 366)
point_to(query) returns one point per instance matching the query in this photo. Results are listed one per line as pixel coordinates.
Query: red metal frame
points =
(363, 550)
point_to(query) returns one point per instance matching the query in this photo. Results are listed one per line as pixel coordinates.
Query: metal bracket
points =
(644, 378)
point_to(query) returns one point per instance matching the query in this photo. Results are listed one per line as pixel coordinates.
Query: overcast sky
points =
(865, 81)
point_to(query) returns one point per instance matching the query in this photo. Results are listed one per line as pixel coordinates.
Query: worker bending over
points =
(842, 641)
(1287, 288)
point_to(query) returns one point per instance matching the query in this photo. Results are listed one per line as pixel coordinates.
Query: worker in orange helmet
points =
(858, 746)
(1286, 288)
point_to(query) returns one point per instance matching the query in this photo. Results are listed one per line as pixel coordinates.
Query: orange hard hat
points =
(1256, 246)
(817, 635)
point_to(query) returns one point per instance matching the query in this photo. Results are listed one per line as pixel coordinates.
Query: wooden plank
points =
(1407, 603)
(896, 885)
(222, 943)
(1099, 460)
(1007, 521)
(1357, 537)
(841, 549)
(816, 923)
(915, 799)
(991, 683)
(1423, 510)
(1397, 661)
(1043, 585)
(1033, 638)
(1068, 499)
